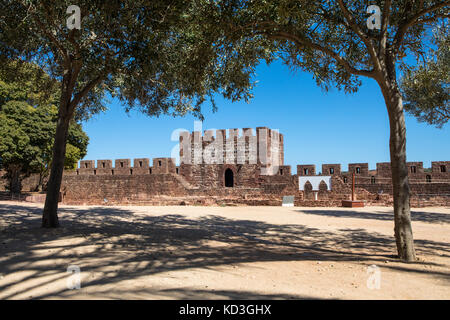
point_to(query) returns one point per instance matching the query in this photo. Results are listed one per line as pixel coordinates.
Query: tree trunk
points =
(15, 184)
(50, 215)
(40, 182)
(400, 181)
(66, 109)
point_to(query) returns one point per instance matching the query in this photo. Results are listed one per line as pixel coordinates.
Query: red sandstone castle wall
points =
(89, 189)
(127, 183)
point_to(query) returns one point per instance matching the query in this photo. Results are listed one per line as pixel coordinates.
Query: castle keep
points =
(240, 167)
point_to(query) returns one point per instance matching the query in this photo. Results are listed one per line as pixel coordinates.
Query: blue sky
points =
(318, 127)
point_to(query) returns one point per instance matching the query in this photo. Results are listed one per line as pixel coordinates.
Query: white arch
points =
(315, 182)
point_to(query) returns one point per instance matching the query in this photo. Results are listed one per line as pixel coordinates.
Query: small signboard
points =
(288, 201)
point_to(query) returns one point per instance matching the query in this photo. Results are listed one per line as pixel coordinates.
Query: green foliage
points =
(24, 130)
(335, 46)
(73, 154)
(26, 82)
(426, 88)
(28, 121)
(150, 54)
(170, 58)
(27, 137)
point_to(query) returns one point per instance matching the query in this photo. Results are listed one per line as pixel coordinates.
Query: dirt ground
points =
(220, 253)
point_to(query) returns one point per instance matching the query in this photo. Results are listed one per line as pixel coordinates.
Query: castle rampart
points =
(235, 167)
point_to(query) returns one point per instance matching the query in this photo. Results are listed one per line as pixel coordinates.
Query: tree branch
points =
(362, 35)
(62, 51)
(432, 19)
(329, 52)
(80, 95)
(403, 29)
(384, 27)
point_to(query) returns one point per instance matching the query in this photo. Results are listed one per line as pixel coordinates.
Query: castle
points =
(241, 168)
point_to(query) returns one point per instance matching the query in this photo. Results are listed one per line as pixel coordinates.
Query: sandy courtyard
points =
(220, 253)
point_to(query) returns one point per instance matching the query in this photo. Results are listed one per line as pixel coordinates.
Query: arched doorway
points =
(308, 191)
(229, 178)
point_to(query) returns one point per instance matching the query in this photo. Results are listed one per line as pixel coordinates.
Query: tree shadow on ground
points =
(422, 216)
(135, 245)
(188, 293)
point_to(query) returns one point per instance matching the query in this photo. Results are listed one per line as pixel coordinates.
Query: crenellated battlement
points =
(233, 146)
(239, 164)
(139, 166)
(440, 170)
(231, 132)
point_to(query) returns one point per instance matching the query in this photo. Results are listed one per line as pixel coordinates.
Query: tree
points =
(26, 82)
(27, 124)
(76, 149)
(332, 40)
(16, 151)
(27, 134)
(150, 54)
(425, 87)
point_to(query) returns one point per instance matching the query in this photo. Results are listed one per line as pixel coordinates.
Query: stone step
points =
(184, 182)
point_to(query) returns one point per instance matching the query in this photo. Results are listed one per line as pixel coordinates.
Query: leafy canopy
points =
(331, 40)
(151, 54)
(28, 118)
(426, 87)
